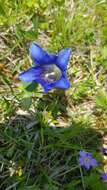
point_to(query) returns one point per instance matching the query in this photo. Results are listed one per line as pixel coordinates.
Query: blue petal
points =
(45, 86)
(63, 58)
(31, 74)
(93, 162)
(82, 153)
(87, 166)
(40, 56)
(104, 176)
(81, 161)
(62, 83)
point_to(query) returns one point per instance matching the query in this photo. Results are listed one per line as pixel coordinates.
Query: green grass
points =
(33, 154)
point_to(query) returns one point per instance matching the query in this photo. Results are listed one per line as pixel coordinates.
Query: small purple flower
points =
(104, 176)
(86, 160)
(49, 70)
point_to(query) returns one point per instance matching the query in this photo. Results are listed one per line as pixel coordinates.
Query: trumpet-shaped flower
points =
(49, 70)
(104, 176)
(86, 160)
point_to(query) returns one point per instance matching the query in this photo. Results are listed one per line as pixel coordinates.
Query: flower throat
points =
(51, 73)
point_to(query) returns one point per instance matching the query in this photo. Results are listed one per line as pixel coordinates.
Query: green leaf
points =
(94, 182)
(26, 103)
(33, 187)
(31, 4)
(31, 87)
(52, 187)
(30, 35)
(104, 52)
(10, 151)
(101, 99)
(2, 11)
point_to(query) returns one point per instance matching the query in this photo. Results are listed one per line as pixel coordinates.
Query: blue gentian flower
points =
(49, 70)
(86, 160)
(104, 176)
